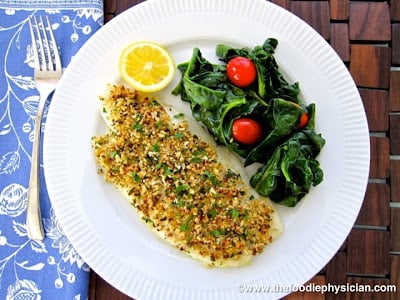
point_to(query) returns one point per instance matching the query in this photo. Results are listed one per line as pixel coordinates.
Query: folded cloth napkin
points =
(48, 269)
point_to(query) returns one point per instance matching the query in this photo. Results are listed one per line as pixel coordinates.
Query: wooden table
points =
(366, 35)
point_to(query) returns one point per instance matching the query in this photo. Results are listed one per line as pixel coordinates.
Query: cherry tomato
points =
(246, 131)
(241, 71)
(303, 120)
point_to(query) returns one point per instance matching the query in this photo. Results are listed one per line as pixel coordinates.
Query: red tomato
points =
(246, 131)
(241, 71)
(303, 120)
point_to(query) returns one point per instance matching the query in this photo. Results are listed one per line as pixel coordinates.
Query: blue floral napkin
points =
(50, 269)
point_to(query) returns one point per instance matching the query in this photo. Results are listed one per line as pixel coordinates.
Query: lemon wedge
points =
(146, 66)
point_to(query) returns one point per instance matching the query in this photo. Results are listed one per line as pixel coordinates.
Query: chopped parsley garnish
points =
(179, 135)
(136, 177)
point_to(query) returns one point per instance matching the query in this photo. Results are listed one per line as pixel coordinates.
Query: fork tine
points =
(44, 41)
(34, 44)
(39, 45)
(57, 59)
(46, 54)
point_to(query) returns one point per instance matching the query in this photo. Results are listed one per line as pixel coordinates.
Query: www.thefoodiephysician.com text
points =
(318, 288)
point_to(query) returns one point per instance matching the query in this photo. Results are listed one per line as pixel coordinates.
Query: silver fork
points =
(47, 72)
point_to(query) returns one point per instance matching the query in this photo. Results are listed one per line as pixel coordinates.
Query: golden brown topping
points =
(176, 182)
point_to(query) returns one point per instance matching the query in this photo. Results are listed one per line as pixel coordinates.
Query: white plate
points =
(105, 229)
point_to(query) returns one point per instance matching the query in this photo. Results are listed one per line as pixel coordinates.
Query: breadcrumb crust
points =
(178, 186)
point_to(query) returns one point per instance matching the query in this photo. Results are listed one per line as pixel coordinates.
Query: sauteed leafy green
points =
(288, 148)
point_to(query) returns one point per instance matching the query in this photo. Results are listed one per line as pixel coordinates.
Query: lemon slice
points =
(146, 66)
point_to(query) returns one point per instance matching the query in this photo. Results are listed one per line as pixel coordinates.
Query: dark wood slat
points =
(315, 13)
(378, 26)
(375, 210)
(282, 3)
(336, 273)
(394, 91)
(380, 157)
(92, 285)
(394, 134)
(395, 10)
(395, 180)
(396, 44)
(123, 5)
(339, 10)
(340, 40)
(370, 65)
(395, 275)
(376, 103)
(368, 252)
(104, 291)
(110, 6)
(395, 229)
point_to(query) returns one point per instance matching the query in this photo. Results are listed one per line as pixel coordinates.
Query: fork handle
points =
(34, 218)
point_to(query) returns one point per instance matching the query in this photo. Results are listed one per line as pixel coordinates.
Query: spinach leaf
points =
(264, 181)
(202, 83)
(292, 168)
(270, 81)
(282, 118)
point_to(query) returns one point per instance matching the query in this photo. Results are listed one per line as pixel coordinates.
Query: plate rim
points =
(144, 8)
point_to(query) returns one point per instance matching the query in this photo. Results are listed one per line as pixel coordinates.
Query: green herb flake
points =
(167, 170)
(136, 177)
(235, 213)
(185, 226)
(113, 154)
(180, 203)
(216, 196)
(155, 148)
(179, 116)
(180, 189)
(218, 232)
(200, 151)
(231, 174)
(210, 176)
(179, 135)
(138, 127)
(154, 102)
(212, 213)
(196, 160)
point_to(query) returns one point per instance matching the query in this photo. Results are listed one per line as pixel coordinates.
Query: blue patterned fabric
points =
(51, 269)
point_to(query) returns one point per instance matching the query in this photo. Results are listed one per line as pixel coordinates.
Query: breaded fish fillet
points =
(178, 185)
